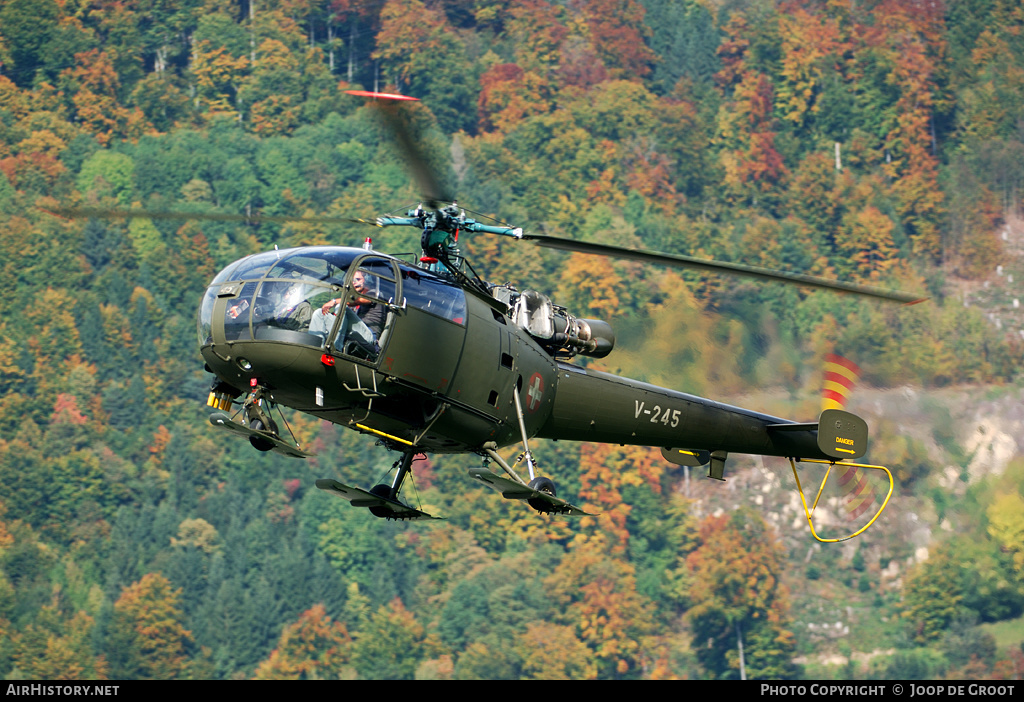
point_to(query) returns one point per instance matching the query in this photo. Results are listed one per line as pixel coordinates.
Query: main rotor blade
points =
(678, 261)
(388, 105)
(105, 213)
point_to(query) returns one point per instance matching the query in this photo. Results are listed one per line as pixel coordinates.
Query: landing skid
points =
(357, 497)
(219, 419)
(511, 490)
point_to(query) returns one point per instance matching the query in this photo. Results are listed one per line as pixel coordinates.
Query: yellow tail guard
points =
(848, 475)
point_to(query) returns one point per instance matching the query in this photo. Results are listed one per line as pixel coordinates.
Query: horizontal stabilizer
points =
(686, 457)
(841, 435)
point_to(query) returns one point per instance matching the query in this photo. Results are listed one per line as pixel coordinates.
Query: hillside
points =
(876, 142)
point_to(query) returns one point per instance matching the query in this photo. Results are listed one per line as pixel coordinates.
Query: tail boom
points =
(595, 406)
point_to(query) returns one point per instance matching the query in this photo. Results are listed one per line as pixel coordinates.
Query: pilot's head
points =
(363, 283)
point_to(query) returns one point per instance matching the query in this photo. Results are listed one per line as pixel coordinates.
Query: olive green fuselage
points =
(450, 385)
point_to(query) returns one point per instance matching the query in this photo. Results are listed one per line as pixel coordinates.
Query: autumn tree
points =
(508, 94)
(218, 77)
(812, 50)
(596, 593)
(94, 87)
(740, 607)
(908, 35)
(553, 652)
(270, 93)
(420, 53)
(147, 639)
(537, 29)
(1006, 526)
(312, 648)
(747, 132)
(54, 648)
(618, 34)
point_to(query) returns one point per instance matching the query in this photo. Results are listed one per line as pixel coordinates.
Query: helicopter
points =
(454, 364)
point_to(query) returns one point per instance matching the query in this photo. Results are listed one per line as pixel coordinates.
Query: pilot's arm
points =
(330, 304)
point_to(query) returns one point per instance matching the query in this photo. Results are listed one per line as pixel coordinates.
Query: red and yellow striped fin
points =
(841, 375)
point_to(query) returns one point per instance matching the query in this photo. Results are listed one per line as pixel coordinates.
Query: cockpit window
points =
(318, 264)
(237, 312)
(225, 275)
(434, 295)
(283, 304)
(256, 266)
(314, 297)
(378, 279)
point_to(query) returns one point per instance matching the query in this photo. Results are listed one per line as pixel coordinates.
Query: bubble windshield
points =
(271, 294)
(300, 296)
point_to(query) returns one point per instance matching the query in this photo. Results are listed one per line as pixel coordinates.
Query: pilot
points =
(369, 315)
(294, 311)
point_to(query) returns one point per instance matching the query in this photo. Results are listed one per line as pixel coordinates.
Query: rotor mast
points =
(441, 228)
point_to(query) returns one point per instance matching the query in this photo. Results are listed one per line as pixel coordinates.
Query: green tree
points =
(27, 27)
(932, 597)
(1006, 526)
(108, 173)
(389, 644)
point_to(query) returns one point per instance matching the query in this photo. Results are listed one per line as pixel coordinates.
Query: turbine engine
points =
(560, 333)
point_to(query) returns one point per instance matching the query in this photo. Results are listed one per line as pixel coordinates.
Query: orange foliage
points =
(738, 569)
(910, 34)
(610, 616)
(617, 33)
(508, 95)
(314, 647)
(651, 175)
(409, 33)
(537, 31)
(95, 86)
(748, 133)
(809, 44)
(27, 169)
(148, 614)
(65, 411)
(218, 76)
(553, 652)
(607, 469)
(161, 440)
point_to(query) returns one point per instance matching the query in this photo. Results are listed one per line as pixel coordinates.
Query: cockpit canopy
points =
(283, 296)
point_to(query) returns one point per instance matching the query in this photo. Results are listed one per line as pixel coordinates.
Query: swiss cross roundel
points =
(534, 392)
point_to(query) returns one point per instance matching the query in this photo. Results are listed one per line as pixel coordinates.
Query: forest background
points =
(879, 141)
